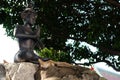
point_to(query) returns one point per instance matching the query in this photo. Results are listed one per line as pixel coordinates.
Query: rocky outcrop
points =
(48, 71)
(20, 71)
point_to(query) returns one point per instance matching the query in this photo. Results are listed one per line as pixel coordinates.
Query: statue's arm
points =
(19, 33)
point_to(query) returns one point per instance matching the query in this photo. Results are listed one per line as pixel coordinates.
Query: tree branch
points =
(108, 63)
(110, 51)
(113, 2)
(102, 48)
(107, 50)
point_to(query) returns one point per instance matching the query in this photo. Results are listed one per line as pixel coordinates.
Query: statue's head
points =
(29, 15)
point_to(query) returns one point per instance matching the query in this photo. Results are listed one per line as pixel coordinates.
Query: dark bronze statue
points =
(28, 37)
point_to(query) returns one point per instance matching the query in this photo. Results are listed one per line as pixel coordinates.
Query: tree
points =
(95, 22)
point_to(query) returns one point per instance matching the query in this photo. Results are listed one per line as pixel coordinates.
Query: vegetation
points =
(96, 22)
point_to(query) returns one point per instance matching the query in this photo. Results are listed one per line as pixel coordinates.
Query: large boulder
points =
(20, 71)
(49, 70)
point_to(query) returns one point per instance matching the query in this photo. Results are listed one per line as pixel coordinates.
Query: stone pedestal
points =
(29, 71)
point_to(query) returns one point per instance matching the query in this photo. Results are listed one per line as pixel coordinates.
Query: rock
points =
(2, 72)
(49, 70)
(20, 71)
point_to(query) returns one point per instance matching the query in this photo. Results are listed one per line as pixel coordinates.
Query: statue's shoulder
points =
(19, 28)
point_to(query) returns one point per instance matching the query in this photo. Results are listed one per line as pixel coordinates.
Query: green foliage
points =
(95, 22)
(56, 55)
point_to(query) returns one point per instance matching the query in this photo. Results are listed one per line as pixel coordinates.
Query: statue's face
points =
(29, 16)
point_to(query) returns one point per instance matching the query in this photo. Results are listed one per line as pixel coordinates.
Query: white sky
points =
(9, 47)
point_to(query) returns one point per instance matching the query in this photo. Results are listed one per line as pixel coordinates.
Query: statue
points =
(27, 37)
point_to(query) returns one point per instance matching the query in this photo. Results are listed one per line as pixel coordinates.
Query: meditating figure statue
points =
(28, 37)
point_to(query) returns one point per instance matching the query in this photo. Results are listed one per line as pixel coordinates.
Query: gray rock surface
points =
(20, 71)
(55, 71)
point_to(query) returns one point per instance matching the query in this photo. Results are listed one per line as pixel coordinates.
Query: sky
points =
(9, 47)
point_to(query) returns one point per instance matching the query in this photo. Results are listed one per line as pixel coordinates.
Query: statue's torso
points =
(27, 43)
